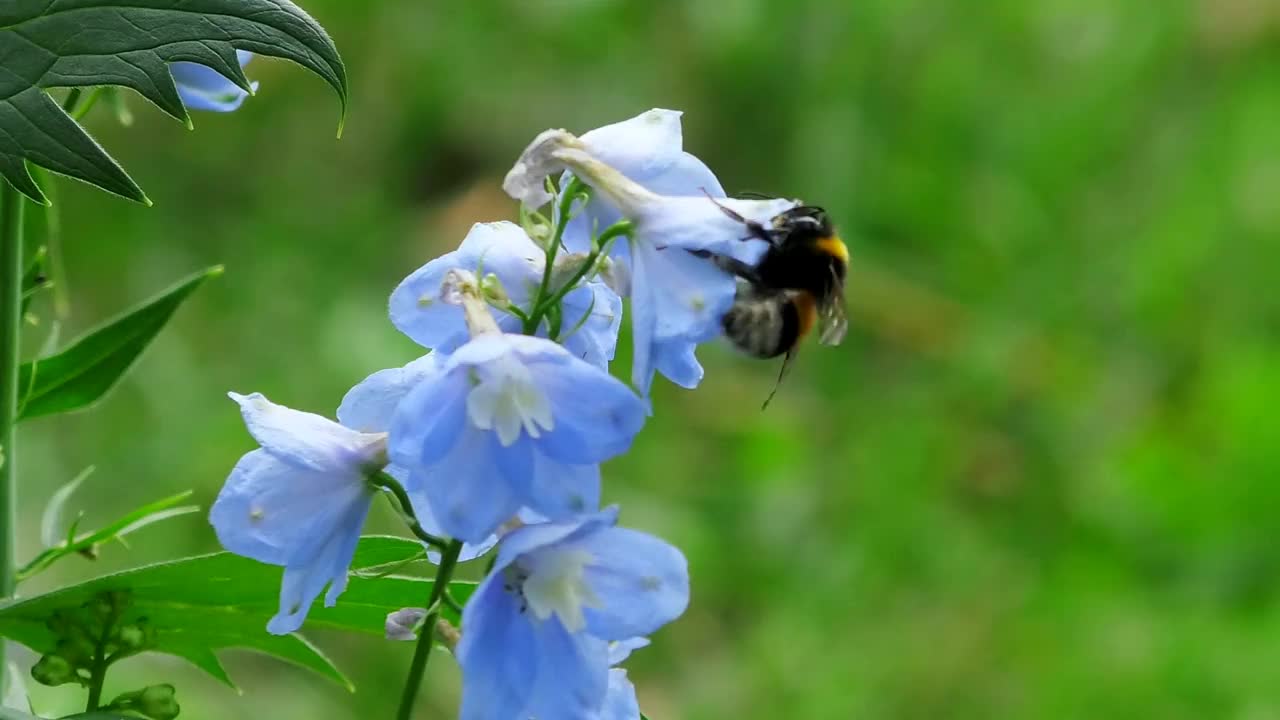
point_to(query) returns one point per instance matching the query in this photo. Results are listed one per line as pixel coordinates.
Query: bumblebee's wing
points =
(833, 323)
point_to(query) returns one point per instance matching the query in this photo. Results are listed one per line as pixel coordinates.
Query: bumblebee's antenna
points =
(786, 365)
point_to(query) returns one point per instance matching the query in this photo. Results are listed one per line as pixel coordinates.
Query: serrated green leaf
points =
(80, 375)
(200, 605)
(129, 43)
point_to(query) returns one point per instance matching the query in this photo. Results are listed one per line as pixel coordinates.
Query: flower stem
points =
(385, 480)
(567, 196)
(11, 206)
(426, 636)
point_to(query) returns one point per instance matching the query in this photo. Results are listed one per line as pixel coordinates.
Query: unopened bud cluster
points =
(89, 637)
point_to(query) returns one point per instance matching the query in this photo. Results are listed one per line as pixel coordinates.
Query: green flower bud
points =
(132, 638)
(54, 670)
(158, 702)
(492, 291)
(77, 649)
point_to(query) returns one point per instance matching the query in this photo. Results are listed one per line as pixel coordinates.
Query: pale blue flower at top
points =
(536, 635)
(369, 407)
(592, 313)
(677, 299)
(203, 88)
(299, 501)
(648, 149)
(511, 422)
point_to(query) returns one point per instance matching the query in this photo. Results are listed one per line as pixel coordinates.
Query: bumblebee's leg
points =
(733, 266)
(782, 373)
(755, 229)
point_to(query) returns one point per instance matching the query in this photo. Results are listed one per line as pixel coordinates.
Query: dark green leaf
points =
(203, 604)
(129, 43)
(81, 374)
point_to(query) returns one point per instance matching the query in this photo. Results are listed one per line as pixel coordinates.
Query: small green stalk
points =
(570, 193)
(11, 269)
(427, 635)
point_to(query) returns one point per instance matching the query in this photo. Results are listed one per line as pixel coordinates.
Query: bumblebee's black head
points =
(807, 254)
(803, 224)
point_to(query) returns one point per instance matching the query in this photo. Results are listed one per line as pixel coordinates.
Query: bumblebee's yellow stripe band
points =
(834, 246)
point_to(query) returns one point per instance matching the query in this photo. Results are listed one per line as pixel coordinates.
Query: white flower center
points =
(557, 585)
(509, 400)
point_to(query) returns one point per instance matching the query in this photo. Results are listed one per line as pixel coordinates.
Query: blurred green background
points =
(1037, 481)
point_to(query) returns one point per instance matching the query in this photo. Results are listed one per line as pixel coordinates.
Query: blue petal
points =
(573, 674)
(530, 538)
(691, 294)
(305, 440)
(596, 415)
(370, 405)
(428, 420)
(560, 491)
(596, 338)
(677, 362)
(467, 489)
(501, 248)
(497, 653)
(620, 701)
(276, 513)
(227, 102)
(305, 578)
(642, 582)
(203, 88)
(620, 650)
(640, 147)
(418, 311)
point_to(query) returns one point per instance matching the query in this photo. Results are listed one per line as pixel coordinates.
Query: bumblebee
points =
(796, 285)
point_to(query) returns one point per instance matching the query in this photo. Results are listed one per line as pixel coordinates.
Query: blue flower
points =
(511, 421)
(298, 501)
(640, 171)
(369, 407)
(536, 634)
(203, 88)
(592, 313)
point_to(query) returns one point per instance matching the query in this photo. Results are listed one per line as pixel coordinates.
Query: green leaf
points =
(80, 375)
(87, 544)
(200, 605)
(129, 43)
(7, 714)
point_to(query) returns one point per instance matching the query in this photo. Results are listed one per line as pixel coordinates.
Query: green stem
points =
(384, 480)
(567, 196)
(11, 206)
(426, 636)
(97, 679)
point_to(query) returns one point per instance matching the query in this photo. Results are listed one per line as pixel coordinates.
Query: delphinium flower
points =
(299, 501)
(677, 297)
(203, 88)
(509, 422)
(369, 407)
(536, 635)
(511, 269)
